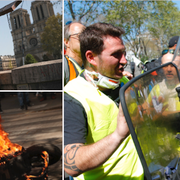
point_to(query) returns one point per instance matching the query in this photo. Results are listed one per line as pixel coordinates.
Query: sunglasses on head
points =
(69, 22)
(165, 51)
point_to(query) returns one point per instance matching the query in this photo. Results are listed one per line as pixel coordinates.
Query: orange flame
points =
(6, 146)
(45, 157)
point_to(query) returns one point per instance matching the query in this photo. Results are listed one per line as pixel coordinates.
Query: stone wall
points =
(38, 76)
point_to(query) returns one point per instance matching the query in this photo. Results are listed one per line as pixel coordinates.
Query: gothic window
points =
(15, 23)
(19, 21)
(37, 13)
(26, 20)
(42, 11)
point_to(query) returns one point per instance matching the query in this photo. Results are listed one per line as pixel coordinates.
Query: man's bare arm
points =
(69, 157)
(79, 158)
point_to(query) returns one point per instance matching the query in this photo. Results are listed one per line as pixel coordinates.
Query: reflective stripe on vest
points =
(102, 113)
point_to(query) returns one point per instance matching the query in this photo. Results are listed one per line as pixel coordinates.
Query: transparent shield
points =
(176, 58)
(152, 110)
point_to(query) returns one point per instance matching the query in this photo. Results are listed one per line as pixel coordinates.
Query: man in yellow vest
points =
(97, 144)
(163, 97)
(72, 59)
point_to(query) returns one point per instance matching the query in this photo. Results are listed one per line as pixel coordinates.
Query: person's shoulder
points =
(69, 99)
(79, 79)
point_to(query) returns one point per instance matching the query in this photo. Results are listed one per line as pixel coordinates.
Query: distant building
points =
(26, 36)
(7, 62)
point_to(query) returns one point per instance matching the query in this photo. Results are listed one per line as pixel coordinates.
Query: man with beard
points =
(163, 97)
(97, 144)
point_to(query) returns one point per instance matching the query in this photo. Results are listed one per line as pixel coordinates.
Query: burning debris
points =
(17, 163)
(6, 147)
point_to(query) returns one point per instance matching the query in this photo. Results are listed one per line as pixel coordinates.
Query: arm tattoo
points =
(69, 157)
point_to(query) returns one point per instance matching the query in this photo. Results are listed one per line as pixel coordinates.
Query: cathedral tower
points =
(26, 36)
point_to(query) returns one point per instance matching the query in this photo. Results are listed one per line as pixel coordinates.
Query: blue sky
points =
(6, 41)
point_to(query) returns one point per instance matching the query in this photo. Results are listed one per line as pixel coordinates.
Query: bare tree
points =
(82, 11)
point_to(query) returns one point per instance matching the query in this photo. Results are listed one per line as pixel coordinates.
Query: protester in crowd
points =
(72, 58)
(97, 144)
(173, 42)
(163, 96)
(23, 97)
(171, 49)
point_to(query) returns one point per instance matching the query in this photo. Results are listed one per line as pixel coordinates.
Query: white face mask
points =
(102, 81)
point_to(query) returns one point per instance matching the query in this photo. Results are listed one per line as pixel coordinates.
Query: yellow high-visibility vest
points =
(124, 163)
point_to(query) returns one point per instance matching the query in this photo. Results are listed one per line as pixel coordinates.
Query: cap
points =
(173, 41)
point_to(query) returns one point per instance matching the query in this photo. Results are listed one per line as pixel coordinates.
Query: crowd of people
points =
(97, 141)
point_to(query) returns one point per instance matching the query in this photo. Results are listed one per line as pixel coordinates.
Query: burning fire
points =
(6, 146)
(45, 158)
(9, 150)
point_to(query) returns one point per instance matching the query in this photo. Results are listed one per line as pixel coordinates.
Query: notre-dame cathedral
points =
(26, 36)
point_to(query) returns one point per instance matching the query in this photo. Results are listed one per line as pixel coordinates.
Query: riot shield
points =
(151, 105)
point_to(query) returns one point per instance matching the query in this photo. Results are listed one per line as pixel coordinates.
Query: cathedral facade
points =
(27, 35)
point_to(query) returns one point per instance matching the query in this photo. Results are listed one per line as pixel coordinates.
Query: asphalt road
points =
(41, 123)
